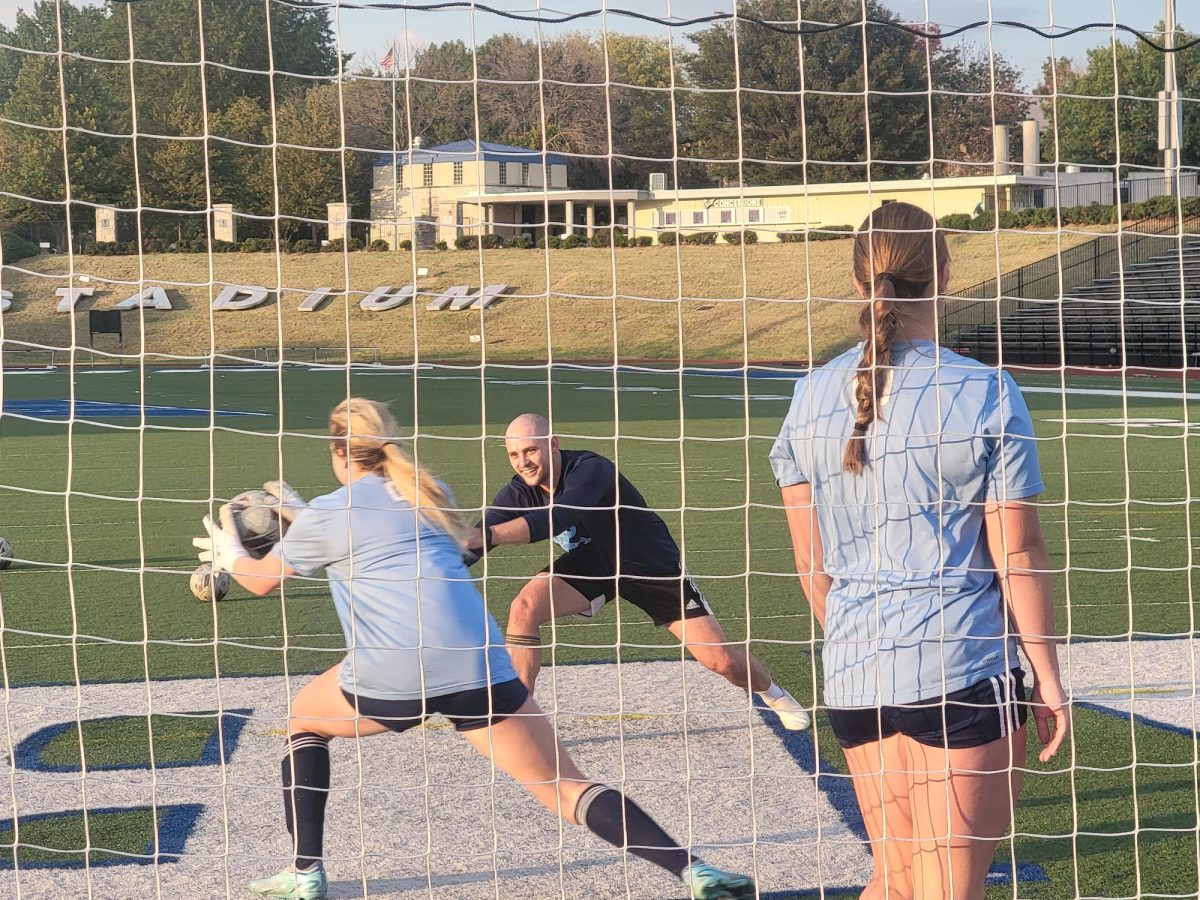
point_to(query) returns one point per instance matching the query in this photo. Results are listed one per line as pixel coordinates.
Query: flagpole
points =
(395, 181)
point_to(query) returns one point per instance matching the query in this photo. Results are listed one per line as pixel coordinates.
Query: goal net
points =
(221, 218)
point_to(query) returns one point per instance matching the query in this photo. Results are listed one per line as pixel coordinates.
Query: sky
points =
(369, 33)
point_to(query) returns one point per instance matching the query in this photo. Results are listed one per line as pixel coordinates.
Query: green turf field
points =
(101, 512)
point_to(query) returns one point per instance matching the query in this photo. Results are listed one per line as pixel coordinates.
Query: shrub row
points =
(1049, 217)
(14, 247)
(831, 233)
(740, 237)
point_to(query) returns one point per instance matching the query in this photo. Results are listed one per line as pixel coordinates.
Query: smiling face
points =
(532, 452)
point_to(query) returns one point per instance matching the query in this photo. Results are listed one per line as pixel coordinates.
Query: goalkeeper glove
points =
(472, 555)
(291, 504)
(222, 547)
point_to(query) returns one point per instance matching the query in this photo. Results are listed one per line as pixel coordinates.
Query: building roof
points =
(470, 151)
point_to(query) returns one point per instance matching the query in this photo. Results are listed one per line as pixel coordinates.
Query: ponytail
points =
(370, 435)
(880, 321)
(897, 253)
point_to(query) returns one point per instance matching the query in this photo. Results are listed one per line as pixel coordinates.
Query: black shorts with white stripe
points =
(667, 597)
(984, 712)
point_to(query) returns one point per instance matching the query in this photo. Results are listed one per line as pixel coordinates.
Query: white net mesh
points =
(219, 219)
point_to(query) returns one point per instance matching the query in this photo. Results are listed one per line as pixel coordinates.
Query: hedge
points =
(258, 245)
(379, 245)
(830, 233)
(14, 247)
(740, 237)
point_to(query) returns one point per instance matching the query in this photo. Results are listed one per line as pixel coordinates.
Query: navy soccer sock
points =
(305, 768)
(611, 815)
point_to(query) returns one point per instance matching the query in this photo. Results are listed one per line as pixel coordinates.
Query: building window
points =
(547, 177)
(458, 173)
(753, 216)
(504, 173)
(697, 217)
(427, 175)
(670, 218)
(727, 217)
(525, 174)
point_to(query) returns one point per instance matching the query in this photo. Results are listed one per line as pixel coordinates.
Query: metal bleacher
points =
(1126, 299)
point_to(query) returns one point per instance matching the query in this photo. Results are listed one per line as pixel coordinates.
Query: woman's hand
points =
(1052, 716)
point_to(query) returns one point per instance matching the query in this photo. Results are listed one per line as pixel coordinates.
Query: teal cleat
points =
(709, 883)
(307, 885)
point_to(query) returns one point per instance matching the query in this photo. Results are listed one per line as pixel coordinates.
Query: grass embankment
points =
(647, 303)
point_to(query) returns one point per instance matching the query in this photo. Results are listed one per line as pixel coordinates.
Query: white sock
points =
(774, 692)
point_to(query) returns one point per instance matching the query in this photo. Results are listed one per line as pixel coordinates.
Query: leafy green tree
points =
(973, 90)
(792, 109)
(309, 179)
(1094, 107)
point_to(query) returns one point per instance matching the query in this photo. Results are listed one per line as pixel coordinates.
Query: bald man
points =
(612, 545)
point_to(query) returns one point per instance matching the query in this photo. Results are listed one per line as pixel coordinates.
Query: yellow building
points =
(465, 189)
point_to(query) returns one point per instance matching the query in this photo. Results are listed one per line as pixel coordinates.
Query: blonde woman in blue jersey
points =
(420, 642)
(909, 475)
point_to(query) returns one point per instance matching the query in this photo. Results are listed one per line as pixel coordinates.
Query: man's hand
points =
(475, 545)
(291, 504)
(222, 547)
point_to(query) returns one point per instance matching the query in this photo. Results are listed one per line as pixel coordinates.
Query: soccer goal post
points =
(632, 232)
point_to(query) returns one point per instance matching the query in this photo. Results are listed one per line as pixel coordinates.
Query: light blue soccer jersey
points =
(915, 610)
(415, 625)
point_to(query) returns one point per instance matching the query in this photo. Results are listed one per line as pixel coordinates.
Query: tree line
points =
(213, 110)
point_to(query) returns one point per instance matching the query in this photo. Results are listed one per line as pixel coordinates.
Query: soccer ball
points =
(256, 514)
(207, 586)
(6, 553)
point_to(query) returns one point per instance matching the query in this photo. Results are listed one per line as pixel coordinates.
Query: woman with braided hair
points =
(420, 643)
(909, 475)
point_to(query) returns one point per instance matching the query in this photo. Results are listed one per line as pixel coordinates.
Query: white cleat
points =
(792, 715)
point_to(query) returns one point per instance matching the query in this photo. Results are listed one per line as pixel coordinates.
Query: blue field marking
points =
(175, 824)
(217, 749)
(837, 787)
(100, 409)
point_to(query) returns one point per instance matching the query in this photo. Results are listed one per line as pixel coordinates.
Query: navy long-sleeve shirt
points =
(594, 506)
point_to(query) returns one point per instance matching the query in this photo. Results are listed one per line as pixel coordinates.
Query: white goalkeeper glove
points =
(291, 504)
(222, 547)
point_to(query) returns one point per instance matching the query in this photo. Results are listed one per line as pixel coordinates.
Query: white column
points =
(630, 219)
(590, 214)
(570, 216)
(224, 224)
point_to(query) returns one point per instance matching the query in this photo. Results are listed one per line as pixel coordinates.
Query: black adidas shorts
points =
(665, 598)
(467, 710)
(984, 712)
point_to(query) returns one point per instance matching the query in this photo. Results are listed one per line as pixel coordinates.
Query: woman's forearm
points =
(259, 576)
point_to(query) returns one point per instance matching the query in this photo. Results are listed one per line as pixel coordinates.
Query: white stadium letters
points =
(237, 297)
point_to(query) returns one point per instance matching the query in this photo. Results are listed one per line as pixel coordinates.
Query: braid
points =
(896, 252)
(879, 320)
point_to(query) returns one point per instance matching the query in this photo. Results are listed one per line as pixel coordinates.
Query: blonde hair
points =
(896, 255)
(368, 433)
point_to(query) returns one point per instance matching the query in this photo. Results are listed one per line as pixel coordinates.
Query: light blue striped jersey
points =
(915, 610)
(415, 625)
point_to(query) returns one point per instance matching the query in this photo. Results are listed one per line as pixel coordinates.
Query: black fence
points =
(1057, 276)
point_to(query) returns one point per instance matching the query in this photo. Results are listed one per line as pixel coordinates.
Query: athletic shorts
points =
(984, 712)
(467, 710)
(665, 599)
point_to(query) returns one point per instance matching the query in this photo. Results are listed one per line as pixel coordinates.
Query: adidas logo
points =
(692, 604)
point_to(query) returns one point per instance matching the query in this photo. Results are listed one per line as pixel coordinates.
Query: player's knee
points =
(528, 610)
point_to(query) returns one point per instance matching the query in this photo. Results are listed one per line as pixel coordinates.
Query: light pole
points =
(1170, 111)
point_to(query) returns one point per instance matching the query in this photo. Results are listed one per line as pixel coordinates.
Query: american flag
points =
(390, 60)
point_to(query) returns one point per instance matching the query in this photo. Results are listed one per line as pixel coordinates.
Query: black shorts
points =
(664, 598)
(467, 710)
(984, 712)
